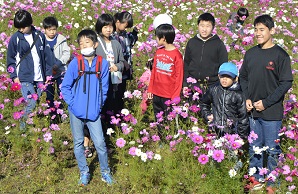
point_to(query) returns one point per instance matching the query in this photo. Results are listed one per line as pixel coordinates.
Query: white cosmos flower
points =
(252, 171)
(232, 172)
(110, 131)
(76, 25)
(144, 157)
(157, 157)
(125, 111)
(138, 152)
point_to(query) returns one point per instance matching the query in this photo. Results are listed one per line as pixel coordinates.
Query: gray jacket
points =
(117, 50)
(62, 55)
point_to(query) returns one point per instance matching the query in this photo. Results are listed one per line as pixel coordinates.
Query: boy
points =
(223, 104)
(61, 50)
(265, 77)
(85, 97)
(167, 73)
(29, 60)
(204, 54)
(236, 20)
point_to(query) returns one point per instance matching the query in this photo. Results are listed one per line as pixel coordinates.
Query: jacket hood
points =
(213, 37)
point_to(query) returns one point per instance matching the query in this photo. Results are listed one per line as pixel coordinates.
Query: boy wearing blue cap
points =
(223, 104)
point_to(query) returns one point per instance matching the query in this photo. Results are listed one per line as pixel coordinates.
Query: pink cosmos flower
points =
(145, 139)
(203, 159)
(252, 136)
(132, 151)
(10, 69)
(292, 187)
(120, 142)
(149, 155)
(176, 100)
(263, 171)
(191, 80)
(51, 150)
(17, 115)
(155, 138)
(47, 136)
(289, 178)
(286, 169)
(218, 155)
(65, 142)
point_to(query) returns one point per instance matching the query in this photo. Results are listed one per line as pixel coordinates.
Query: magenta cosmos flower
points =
(203, 159)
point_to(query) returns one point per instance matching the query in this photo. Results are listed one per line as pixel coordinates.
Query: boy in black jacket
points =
(223, 104)
(204, 53)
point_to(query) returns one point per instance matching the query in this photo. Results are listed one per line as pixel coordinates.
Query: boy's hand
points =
(113, 67)
(150, 95)
(259, 105)
(210, 118)
(16, 80)
(249, 105)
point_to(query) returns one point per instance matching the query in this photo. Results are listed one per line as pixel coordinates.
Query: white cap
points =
(161, 19)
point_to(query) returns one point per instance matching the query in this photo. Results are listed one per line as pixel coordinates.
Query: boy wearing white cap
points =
(223, 104)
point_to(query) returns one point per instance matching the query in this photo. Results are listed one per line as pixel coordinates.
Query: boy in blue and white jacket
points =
(61, 50)
(28, 67)
(85, 98)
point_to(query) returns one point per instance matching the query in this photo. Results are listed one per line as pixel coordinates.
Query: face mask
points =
(87, 52)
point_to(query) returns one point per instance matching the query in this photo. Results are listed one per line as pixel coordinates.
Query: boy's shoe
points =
(88, 152)
(254, 185)
(270, 190)
(107, 177)
(84, 179)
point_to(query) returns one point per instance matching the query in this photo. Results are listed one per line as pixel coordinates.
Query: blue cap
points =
(228, 68)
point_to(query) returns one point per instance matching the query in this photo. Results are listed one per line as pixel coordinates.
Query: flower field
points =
(187, 159)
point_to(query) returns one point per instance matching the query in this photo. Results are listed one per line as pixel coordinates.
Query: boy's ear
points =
(95, 45)
(272, 31)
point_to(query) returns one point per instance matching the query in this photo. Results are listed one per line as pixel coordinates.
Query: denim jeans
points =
(97, 136)
(29, 89)
(51, 90)
(267, 132)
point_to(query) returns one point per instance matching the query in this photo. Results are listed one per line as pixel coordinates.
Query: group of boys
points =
(256, 106)
(265, 77)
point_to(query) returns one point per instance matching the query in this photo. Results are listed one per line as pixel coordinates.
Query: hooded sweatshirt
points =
(202, 59)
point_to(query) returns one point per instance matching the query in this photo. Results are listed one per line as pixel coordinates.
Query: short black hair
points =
(22, 19)
(88, 33)
(242, 12)
(104, 20)
(124, 17)
(206, 17)
(49, 22)
(166, 31)
(266, 20)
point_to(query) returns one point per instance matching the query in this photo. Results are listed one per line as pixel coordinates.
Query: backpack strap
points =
(81, 69)
(98, 69)
(98, 66)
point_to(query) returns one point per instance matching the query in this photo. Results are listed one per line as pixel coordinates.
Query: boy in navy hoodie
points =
(29, 60)
(85, 98)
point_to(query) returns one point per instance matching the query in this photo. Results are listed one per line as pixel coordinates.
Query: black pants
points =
(158, 106)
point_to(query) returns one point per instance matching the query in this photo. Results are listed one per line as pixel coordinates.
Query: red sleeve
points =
(150, 87)
(178, 76)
